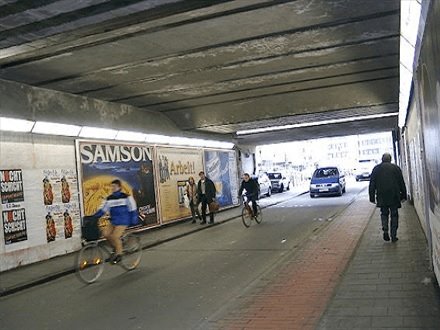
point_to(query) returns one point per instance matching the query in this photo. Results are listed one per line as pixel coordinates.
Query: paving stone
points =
(355, 322)
(421, 322)
(397, 271)
(387, 321)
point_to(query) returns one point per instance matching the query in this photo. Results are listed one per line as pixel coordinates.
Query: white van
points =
(364, 169)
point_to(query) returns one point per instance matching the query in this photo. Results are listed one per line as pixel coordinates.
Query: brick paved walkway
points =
(296, 296)
(387, 285)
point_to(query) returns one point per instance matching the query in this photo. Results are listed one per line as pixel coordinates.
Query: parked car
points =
(279, 181)
(264, 183)
(364, 169)
(327, 181)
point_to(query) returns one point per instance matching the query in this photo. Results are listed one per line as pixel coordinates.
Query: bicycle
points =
(247, 214)
(91, 258)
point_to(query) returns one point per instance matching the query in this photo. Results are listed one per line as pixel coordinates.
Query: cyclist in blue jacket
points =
(123, 213)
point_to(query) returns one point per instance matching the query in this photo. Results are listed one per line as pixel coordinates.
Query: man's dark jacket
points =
(210, 190)
(387, 187)
(252, 188)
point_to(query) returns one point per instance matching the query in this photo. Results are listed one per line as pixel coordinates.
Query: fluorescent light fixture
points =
(185, 141)
(130, 136)
(43, 127)
(316, 123)
(97, 133)
(160, 139)
(409, 28)
(15, 125)
(218, 144)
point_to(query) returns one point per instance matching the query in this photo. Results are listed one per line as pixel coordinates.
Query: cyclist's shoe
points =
(111, 257)
(116, 259)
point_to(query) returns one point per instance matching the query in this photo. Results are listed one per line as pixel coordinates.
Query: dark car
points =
(327, 181)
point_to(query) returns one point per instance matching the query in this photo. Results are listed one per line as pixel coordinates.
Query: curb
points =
(72, 270)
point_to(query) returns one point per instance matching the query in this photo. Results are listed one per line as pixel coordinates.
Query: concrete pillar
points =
(247, 159)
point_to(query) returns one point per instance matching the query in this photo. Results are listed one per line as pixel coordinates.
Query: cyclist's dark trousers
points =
(253, 199)
(205, 203)
(384, 215)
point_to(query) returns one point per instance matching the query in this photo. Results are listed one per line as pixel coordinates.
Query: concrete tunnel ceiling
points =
(215, 66)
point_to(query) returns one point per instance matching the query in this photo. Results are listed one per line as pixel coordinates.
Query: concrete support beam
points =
(27, 102)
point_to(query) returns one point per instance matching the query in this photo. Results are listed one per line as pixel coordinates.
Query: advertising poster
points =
(60, 199)
(14, 225)
(11, 182)
(221, 167)
(429, 94)
(13, 212)
(175, 166)
(101, 163)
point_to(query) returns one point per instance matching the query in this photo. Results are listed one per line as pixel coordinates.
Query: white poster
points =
(60, 199)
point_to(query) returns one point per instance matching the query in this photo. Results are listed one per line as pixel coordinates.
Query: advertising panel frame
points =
(111, 142)
(236, 169)
(157, 178)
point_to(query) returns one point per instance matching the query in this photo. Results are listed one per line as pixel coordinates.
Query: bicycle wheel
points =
(246, 217)
(90, 263)
(259, 216)
(132, 252)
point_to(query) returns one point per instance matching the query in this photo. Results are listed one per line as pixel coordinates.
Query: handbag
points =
(90, 229)
(186, 201)
(214, 206)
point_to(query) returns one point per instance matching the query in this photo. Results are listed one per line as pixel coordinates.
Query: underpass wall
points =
(414, 169)
(40, 213)
(423, 140)
(49, 182)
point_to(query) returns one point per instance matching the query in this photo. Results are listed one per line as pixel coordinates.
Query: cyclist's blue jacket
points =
(122, 209)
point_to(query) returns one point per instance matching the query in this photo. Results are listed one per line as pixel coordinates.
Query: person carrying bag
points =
(191, 195)
(206, 193)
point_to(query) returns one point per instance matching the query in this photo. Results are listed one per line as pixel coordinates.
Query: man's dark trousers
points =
(384, 215)
(253, 199)
(205, 204)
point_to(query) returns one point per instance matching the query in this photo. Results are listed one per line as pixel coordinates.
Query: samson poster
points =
(101, 163)
(175, 166)
(221, 167)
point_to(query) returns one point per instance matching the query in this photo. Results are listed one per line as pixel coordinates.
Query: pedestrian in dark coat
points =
(206, 194)
(387, 189)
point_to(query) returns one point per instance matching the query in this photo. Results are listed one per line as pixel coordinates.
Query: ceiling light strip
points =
(43, 127)
(16, 125)
(49, 128)
(317, 123)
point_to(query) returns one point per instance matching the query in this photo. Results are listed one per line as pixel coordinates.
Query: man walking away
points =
(387, 189)
(206, 194)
